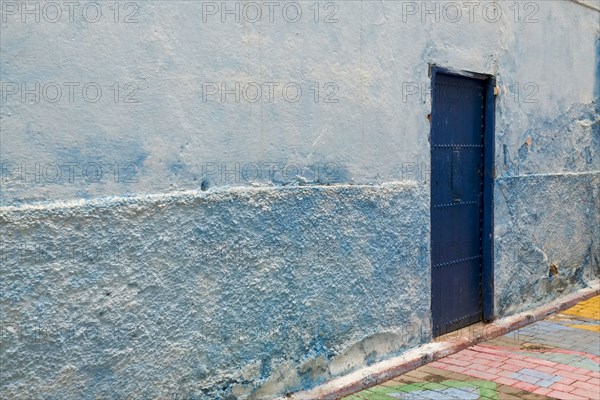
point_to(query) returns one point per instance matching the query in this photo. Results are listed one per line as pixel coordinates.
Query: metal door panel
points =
(457, 144)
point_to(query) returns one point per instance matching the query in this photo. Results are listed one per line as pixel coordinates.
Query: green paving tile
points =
(384, 389)
(488, 393)
(586, 364)
(369, 395)
(470, 383)
(486, 384)
(394, 388)
(457, 384)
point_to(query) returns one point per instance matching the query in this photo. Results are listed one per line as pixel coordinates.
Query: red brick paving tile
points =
(566, 381)
(594, 381)
(491, 357)
(539, 361)
(511, 367)
(438, 364)
(493, 371)
(461, 354)
(465, 358)
(564, 367)
(479, 367)
(520, 363)
(525, 386)
(587, 386)
(582, 371)
(456, 368)
(565, 396)
(561, 387)
(547, 370)
(543, 391)
(506, 374)
(572, 375)
(586, 393)
(518, 357)
(460, 363)
(469, 352)
(505, 381)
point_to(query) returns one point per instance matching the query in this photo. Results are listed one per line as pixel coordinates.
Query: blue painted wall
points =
(158, 241)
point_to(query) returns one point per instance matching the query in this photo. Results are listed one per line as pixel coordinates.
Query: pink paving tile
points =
(543, 391)
(594, 374)
(510, 367)
(582, 371)
(482, 361)
(493, 371)
(468, 360)
(587, 386)
(438, 364)
(460, 363)
(566, 381)
(505, 381)
(518, 357)
(573, 375)
(548, 370)
(539, 361)
(525, 386)
(470, 353)
(565, 396)
(492, 357)
(594, 381)
(562, 387)
(461, 355)
(455, 368)
(506, 374)
(586, 394)
(479, 367)
(564, 367)
(519, 363)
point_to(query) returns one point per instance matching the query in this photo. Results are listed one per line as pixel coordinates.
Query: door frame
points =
(487, 275)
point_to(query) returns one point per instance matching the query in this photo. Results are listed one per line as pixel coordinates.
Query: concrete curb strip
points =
(412, 359)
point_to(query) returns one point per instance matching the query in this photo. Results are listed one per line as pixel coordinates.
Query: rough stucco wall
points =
(126, 287)
(531, 236)
(214, 294)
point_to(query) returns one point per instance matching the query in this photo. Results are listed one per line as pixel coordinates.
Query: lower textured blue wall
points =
(212, 295)
(547, 237)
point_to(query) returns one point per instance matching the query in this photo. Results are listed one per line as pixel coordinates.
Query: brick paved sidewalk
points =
(557, 358)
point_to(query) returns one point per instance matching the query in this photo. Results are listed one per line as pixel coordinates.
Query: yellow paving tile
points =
(593, 328)
(587, 309)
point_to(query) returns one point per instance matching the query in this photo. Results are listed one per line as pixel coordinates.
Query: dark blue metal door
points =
(457, 144)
